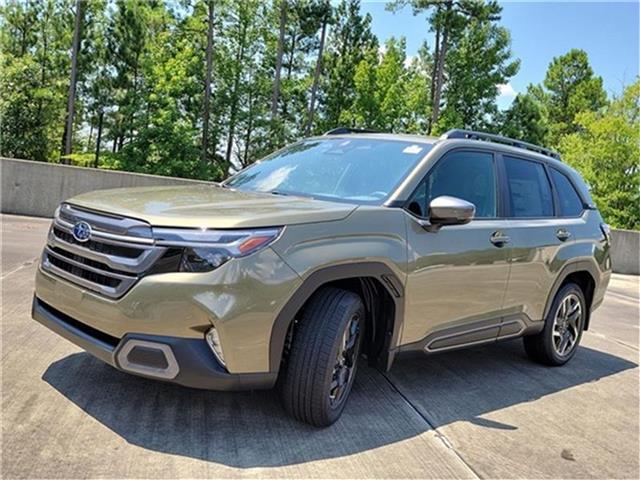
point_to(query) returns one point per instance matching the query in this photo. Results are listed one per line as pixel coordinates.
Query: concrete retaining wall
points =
(36, 188)
(625, 251)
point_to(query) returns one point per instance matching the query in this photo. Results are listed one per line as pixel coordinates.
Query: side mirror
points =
(447, 210)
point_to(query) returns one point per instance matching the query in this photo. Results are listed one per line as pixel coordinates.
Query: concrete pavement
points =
(484, 412)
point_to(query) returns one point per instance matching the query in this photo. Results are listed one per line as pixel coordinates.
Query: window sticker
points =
(412, 149)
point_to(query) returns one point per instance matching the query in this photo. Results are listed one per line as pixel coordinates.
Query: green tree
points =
(606, 151)
(448, 21)
(390, 90)
(350, 40)
(418, 92)
(380, 89)
(164, 131)
(245, 88)
(478, 61)
(35, 39)
(571, 88)
(325, 15)
(525, 120)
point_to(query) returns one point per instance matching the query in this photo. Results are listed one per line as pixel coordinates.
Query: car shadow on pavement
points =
(250, 429)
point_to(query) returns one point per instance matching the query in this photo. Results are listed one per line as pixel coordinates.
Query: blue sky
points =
(607, 31)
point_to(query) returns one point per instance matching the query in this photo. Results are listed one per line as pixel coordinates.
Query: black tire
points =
(542, 347)
(318, 337)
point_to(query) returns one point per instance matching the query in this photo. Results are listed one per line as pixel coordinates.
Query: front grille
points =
(86, 261)
(82, 273)
(119, 252)
(97, 246)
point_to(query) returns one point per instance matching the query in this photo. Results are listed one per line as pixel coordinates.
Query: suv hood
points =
(210, 206)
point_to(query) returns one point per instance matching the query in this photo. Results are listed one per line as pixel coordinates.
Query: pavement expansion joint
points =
(445, 441)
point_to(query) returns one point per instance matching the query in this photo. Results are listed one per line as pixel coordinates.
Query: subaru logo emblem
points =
(82, 231)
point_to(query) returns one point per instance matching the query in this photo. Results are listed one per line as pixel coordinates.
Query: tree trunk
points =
(316, 78)
(434, 70)
(207, 86)
(292, 54)
(276, 81)
(99, 138)
(285, 104)
(340, 102)
(435, 112)
(234, 94)
(74, 74)
(41, 155)
(90, 135)
(247, 138)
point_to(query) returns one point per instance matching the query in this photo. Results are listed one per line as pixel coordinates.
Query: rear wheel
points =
(559, 340)
(323, 359)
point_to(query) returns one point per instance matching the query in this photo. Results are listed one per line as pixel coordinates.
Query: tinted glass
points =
(466, 175)
(570, 202)
(359, 170)
(529, 189)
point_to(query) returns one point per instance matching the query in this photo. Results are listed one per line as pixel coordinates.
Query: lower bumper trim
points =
(189, 360)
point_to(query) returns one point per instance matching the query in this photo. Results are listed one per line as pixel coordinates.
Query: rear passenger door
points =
(539, 237)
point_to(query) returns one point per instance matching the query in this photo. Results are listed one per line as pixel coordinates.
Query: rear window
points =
(570, 201)
(529, 189)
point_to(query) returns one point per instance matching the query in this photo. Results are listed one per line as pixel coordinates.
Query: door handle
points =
(499, 239)
(563, 234)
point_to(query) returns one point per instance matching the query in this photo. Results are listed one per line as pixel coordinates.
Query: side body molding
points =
(377, 270)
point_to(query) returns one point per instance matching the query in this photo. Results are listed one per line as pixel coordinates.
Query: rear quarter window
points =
(570, 202)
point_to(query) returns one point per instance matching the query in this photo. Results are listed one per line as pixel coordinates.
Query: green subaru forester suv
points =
(338, 248)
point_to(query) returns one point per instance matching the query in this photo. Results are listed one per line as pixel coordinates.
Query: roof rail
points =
(347, 130)
(488, 137)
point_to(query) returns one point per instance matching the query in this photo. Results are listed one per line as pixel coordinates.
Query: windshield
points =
(358, 170)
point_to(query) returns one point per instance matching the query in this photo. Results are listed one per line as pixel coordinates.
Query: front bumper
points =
(185, 361)
(241, 299)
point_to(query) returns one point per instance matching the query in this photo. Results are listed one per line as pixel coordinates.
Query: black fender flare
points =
(320, 277)
(571, 267)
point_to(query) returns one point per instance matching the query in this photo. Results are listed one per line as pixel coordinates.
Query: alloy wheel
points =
(344, 368)
(567, 325)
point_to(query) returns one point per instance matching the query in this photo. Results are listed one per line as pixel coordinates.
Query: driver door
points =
(458, 274)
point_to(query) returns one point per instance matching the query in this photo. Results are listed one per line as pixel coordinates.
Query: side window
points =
(570, 201)
(466, 175)
(529, 188)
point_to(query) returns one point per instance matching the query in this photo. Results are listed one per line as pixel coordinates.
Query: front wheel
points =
(556, 344)
(323, 359)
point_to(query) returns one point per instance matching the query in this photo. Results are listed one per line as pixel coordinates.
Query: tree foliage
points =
(281, 70)
(571, 88)
(525, 119)
(606, 150)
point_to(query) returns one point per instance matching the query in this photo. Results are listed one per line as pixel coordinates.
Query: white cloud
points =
(409, 60)
(506, 90)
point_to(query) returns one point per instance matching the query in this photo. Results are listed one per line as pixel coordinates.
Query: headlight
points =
(205, 250)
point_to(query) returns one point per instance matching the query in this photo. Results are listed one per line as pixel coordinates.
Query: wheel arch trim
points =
(317, 279)
(570, 268)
